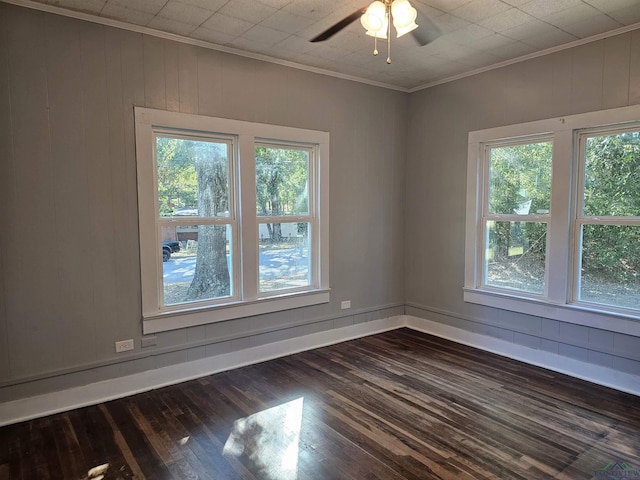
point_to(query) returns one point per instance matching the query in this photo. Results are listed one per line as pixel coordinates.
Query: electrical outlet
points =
(345, 304)
(124, 345)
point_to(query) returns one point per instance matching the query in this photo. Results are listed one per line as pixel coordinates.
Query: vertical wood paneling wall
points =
(596, 76)
(69, 259)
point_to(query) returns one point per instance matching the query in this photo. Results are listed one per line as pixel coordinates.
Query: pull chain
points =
(390, 19)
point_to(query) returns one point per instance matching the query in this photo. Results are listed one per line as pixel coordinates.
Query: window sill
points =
(191, 317)
(571, 313)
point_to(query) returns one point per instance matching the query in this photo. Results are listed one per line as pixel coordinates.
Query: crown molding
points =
(192, 41)
(286, 63)
(523, 58)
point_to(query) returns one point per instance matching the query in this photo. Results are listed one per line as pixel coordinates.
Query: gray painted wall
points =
(69, 253)
(69, 261)
(596, 76)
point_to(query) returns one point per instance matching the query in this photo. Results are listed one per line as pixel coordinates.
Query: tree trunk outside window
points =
(211, 278)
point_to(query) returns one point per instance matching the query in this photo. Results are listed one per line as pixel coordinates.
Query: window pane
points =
(193, 177)
(515, 255)
(520, 179)
(284, 256)
(610, 272)
(200, 268)
(282, 181)
(612, 175)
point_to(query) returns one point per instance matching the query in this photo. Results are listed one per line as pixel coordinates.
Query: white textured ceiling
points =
(475, 34)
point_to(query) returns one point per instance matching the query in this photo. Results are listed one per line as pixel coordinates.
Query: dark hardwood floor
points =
(399, 405)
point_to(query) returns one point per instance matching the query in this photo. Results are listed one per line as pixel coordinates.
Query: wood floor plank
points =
(11, 445)
(50, 457)
(27, 467)
(148, 462)
(201, 441)
(65, 444)
(399, 405)
(132, 470)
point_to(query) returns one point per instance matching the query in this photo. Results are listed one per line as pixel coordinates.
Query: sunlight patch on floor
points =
(268, 441)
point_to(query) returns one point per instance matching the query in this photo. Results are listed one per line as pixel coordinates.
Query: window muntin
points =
(171, 150)
(608, 220)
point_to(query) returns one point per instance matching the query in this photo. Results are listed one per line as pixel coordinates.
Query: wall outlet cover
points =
(124, 345)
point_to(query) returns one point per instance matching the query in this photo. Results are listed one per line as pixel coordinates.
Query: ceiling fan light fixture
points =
(404, 17)
(404, 30)
(374, 20)
(377, 19)
(382, 33)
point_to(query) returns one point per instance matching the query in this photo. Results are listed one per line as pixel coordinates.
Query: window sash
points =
(581, 139)
(483, 233)
(175, 221)
(487, 148)
(312, 172)
(311, 217)
(581, 220)
(229, 140)
(312, 266)
(483, 254)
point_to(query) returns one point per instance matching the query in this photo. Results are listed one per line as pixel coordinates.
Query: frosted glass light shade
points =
(374, 20)
(404, 17)
(382, 33)
(403, 30)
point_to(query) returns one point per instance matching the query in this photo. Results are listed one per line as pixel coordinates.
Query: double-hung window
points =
(233, 218)
(553, 219)
(607, 226)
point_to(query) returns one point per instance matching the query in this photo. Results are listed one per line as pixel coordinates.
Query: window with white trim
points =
(553, 219)
(233, 218)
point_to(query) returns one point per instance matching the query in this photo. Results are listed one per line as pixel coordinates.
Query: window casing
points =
(551, 278)
(202, 181)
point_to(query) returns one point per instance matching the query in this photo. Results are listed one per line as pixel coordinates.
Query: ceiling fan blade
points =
(330, 32)
(427, 31)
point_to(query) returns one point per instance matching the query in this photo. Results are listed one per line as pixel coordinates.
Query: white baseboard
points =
(590, 372)
(94, 393)
(98, 392)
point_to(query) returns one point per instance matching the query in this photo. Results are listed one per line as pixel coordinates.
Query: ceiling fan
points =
(377, 19)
